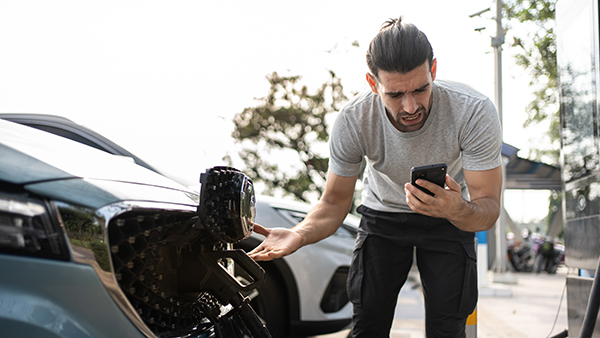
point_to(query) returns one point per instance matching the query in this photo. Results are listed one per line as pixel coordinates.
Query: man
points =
(407, 120)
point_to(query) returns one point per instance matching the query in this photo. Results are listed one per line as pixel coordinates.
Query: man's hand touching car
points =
(279, 242)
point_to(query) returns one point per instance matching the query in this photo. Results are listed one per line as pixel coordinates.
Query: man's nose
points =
(409, 104)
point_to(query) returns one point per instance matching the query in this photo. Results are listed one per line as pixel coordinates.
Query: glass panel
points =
(584, 201)
(578, 99)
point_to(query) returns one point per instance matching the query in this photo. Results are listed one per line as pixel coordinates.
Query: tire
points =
(515, 263)
(269, 302)
(538, 263)
(552, 266)
(527, 263)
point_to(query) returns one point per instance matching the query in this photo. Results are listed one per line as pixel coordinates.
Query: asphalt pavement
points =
(528, 305)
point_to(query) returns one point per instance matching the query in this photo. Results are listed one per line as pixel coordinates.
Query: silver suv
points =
(304, 294)
(92, 245)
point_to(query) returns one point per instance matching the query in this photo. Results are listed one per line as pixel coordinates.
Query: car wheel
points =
(269, 302)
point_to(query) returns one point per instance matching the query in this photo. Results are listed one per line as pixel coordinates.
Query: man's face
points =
(407, 97)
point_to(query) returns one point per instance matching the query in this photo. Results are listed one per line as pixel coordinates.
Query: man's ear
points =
(372, 82)
(433, 69)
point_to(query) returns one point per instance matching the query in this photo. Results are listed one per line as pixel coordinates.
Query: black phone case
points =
(435, 173)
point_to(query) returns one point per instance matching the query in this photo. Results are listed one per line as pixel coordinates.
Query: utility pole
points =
(500, 266)
(497, 43)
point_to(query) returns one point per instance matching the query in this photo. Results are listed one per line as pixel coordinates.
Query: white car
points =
(304, 293)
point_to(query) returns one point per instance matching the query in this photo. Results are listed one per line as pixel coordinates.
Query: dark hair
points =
(398, 48)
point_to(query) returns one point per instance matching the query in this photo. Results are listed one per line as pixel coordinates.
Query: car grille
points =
(150, 263)
(144, 249)
(169, 273)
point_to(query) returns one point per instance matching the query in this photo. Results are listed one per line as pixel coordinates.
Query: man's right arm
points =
(321, 222)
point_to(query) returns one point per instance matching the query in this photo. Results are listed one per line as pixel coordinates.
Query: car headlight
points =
(29, 227)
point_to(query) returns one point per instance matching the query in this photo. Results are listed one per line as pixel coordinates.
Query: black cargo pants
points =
(383, 256)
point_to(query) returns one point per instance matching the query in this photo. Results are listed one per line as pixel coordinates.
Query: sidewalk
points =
(532, 309)
(527, 309)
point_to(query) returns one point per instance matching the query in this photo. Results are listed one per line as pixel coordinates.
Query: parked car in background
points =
(304, 294)
(95, 246)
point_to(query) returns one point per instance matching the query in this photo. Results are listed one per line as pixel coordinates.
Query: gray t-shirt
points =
(462, 130)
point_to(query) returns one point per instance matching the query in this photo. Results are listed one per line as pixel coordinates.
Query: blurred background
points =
(164, 79)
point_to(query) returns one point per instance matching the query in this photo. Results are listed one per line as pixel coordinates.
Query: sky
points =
(164, 78)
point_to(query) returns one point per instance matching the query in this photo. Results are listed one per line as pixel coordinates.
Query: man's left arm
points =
(478, 214)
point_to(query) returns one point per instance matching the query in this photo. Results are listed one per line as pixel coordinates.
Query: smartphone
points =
(435, 173)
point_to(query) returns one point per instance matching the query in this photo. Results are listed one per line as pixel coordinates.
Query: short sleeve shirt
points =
(462, 130)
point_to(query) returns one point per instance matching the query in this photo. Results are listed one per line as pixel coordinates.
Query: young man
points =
(407, 120)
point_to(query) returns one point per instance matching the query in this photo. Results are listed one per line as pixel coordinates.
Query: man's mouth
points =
(410, 119)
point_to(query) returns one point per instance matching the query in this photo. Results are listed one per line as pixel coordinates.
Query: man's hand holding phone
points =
(435, 173)
(437, 198)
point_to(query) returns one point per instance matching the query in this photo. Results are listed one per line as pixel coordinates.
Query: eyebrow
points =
(422, 88)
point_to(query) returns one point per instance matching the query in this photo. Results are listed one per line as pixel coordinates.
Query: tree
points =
(536, 53)
(284, 136)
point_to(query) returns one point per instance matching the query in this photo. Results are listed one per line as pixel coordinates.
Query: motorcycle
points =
(535, 253)
(548, 256)
(521, 254)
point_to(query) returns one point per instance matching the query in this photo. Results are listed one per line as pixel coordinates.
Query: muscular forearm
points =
(322, 221)
(477, 215)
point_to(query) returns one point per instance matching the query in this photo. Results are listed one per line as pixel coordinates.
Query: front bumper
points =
(46, 298)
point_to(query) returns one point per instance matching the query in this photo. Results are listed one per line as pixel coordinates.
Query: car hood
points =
(59, 168)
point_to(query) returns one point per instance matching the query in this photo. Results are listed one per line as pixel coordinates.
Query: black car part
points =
(174, 270)
(227, 209)
(228, 290)
(173, 276)
(227, 204)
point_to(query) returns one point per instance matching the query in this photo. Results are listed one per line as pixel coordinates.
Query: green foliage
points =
(536, 53)
(86, 233)
(79, 226)
(282, 135)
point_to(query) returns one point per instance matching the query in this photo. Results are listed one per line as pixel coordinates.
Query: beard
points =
(420, 115)
(406, 122)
